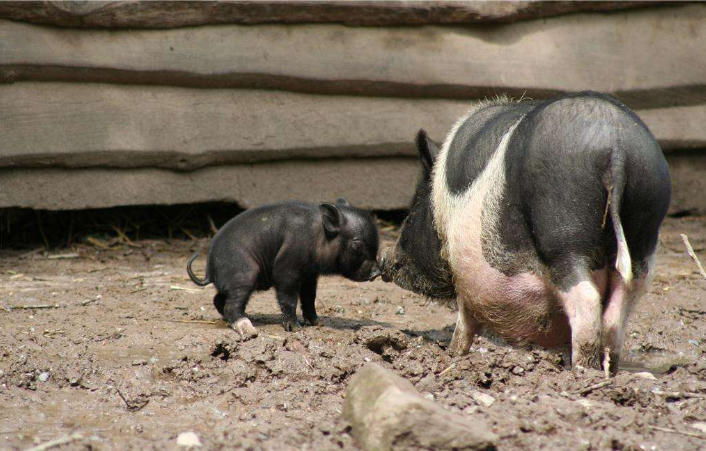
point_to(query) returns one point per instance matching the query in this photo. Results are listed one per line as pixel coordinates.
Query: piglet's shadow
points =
(334, 322)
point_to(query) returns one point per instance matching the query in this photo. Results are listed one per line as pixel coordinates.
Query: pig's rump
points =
(520, 198)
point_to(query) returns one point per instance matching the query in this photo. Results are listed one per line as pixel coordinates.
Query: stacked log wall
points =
(129, 104)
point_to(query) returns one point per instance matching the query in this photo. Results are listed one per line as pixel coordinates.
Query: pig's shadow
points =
(334, 322)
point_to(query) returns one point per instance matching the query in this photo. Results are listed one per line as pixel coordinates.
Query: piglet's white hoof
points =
(245, 328)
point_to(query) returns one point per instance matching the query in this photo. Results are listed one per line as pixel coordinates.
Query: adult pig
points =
(541, 219)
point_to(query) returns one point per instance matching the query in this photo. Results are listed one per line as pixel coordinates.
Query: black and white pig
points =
(287, 246)
(541, 219)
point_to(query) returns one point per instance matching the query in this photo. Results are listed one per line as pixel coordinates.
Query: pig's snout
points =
(375, 273)
(385, 263)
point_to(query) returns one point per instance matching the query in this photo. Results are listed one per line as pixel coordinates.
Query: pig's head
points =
(415, 262)
(355, 236)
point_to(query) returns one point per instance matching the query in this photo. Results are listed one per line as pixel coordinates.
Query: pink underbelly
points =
(521, 308)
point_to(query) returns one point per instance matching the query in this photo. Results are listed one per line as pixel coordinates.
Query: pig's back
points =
(257, 235)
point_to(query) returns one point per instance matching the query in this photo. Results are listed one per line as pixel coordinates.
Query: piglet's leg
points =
(307, 294)
(466, 329)
(582, 304)
(234, 311)
(288, 297)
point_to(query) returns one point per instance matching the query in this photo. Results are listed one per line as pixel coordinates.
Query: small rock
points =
(43, 377)
(188, 439)
(74, 378)
(139, 362)
(694, 342)
(585, 403)
(400, 310)
(470, 410)
(518, 370)
(483, 399)
(427, 382)
(700, 426)
(153, 359)
(645, 375)
(429, 396)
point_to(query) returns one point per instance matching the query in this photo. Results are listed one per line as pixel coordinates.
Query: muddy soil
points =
(118, 346)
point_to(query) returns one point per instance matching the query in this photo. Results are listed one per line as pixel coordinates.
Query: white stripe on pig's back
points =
(513, 305)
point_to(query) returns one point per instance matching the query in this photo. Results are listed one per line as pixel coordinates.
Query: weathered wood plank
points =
(163, 14)
(83, 125)
(647, 58)
(376, 183)
(383, 183)
(46, 124)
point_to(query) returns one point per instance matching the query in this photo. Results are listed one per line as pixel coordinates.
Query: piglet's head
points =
(354, 237)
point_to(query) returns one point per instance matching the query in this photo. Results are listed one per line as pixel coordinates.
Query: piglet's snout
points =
(375, 273)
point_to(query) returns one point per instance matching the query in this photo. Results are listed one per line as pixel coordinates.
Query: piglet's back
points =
(261, 231)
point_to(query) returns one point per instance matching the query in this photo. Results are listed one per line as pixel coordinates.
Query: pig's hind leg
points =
(234, 310)
(620, 300)
(234, 295)
(219, 301)
(582, 305)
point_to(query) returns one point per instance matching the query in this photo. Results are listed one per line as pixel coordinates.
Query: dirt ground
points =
(118, 346)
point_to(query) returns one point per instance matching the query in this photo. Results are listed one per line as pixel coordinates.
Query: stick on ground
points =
(33, 307)
(593, 387)
(674, 431)
(197, 321)
(692, 254)
(56, 442)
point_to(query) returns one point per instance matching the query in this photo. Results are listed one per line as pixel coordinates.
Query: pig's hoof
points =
(290, 324)
(459, 346)
(245, 328)
(458, 352)
(313, 321)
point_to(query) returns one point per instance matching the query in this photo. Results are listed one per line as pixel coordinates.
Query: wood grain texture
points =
(163, 14)
(67, 124)
(374, 183)
(382, 183)
(84, 125)
(647, 58)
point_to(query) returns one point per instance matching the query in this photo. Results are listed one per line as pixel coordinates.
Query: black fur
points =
(288, 246)
(417, 264)
(564, 157)
(476, 140)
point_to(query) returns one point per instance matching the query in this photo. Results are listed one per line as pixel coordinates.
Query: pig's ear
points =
(428, 151)
(331, 219)
(341, 202)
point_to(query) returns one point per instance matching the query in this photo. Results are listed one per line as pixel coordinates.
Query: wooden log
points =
(79, 125)
(88, 125)
(165, 14)
(647, 58)
(376, 183)
(383, 183)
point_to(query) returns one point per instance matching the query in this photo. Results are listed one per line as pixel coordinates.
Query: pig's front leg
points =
(466, 329)
(307, 294)
(288, 297)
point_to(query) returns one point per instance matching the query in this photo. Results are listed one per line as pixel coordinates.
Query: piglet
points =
(287, 246)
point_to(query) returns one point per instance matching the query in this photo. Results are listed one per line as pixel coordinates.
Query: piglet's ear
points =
(331, 219)
(342, 202)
